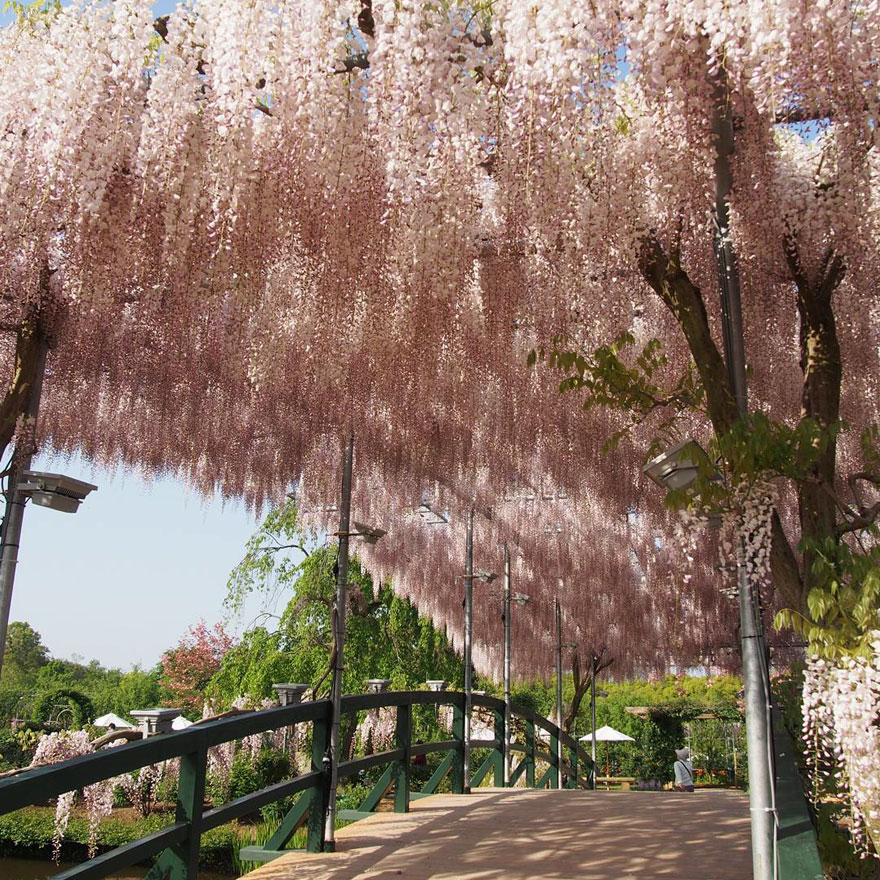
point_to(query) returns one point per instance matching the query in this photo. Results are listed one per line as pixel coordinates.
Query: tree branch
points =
(683, 298)
(866, 517)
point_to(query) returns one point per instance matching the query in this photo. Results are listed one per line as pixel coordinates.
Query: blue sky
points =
(124, 577)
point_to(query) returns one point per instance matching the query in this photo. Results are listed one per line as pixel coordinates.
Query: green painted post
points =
(498, 753)
(436, 777)
(318, 795)
(402, 767)
(554, 751)
(458, 760)
(529, 758)
(181, 862)
(573, 760)
(380, 789)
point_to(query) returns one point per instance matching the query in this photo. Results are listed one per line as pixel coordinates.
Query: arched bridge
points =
(565, 833)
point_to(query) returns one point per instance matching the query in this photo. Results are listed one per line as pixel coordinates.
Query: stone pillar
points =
(377, 685)
(437, 684)
(153, 721)
(290, 694)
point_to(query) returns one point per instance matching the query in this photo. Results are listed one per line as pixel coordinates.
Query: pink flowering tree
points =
(188, 667)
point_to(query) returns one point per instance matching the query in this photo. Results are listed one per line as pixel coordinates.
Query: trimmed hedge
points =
(28, 833)
(79, 704)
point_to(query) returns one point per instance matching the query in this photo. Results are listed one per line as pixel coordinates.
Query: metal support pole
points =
(593, 667)
(339, 643)
(558, 689)
(468, 644)
(755, 684)
(507, 713)
(15, 501)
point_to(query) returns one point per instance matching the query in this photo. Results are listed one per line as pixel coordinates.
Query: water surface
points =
(37, 869)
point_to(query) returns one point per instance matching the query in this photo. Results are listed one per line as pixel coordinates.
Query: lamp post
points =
(593, 694)
(55, 491)
(469, 577)
(558, 688)
(506, 666)
(508, 598)
(468, 647)
(559, 647)
(370, 535)
(677, 468)
(756, 684)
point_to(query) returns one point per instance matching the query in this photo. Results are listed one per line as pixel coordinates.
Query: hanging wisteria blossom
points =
(251, 228)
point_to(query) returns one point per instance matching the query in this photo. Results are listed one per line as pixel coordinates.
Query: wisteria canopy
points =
(248, 229)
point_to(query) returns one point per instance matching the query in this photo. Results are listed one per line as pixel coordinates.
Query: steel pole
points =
(558, 689)
(507, 712)
(468, 644)
(15, 501)
(755, 685)
(593, 666)
(339, 643)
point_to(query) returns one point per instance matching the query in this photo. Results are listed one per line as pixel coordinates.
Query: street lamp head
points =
(482, 575)
(370, 534)
(55, 491)
(677, 468)
(431, 516)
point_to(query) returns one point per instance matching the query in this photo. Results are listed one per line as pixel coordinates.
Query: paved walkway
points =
(521, 834)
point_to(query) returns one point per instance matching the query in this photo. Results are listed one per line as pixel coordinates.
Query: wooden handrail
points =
(178, 843)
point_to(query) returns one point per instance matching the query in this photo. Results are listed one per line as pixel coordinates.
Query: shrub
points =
(79, 705)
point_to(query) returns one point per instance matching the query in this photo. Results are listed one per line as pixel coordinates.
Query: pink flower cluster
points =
(285, 220)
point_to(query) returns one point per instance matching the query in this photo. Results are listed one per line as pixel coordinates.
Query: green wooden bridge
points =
(531, 764)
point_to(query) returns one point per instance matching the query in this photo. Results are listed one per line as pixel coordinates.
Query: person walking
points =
(684, 770)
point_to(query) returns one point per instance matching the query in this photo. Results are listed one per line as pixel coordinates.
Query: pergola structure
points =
(249, 229)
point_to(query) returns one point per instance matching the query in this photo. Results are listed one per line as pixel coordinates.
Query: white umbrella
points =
(608, 735)
(115, 720)
(180, 723)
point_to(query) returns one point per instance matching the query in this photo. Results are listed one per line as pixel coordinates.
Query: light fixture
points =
(431, 516)
(677, 468)
(370, 534)
(54, 491)
(482, 575)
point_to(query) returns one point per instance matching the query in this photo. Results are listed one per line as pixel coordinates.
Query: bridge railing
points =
(177, 845)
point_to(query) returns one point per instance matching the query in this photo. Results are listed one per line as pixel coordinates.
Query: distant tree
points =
(138, 689)
(25, 652)
(385, 636)
(187, 668)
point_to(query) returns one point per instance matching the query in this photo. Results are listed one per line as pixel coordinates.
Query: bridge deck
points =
(522, 834)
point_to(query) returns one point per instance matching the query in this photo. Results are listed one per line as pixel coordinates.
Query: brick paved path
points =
(520, 834)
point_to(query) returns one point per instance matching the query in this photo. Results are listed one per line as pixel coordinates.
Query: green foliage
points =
(25, 652)
(268, 559)
(385, 637)
(30, 677)
(73, 709)
(28, 833)
(248, 775)
(39, 12)
(844, 598)
(138, 689)
(675, 701)
(843, 605)
(619, 378)
(17, 747)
